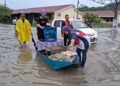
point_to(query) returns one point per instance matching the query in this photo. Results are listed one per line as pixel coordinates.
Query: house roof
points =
(49, 9)
(105, 13)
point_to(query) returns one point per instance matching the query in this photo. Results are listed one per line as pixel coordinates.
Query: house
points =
(53, 12)
(105, 15)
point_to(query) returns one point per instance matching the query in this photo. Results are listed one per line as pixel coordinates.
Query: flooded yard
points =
(19, 66)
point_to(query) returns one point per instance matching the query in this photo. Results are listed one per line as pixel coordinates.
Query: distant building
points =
(53, 12)
(105, 15)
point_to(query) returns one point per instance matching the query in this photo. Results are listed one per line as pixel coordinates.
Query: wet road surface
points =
(19, 66)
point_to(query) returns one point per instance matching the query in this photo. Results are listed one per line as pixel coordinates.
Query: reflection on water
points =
(25, 55)
(114, 35)
(93, 47)
(72, 76)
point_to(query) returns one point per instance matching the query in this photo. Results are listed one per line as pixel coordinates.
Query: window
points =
(79, 24)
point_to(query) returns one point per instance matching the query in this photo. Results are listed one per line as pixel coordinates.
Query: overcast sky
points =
(18, 4)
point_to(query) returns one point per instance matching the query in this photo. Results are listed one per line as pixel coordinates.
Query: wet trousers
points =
(82, 56)
(66, 40)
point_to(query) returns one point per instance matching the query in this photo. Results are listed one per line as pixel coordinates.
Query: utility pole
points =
(77, 8)
(5, 3)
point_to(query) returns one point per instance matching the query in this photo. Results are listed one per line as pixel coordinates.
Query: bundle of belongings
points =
(50, 33)
(69, 56)
(45, 45)
(50, 43)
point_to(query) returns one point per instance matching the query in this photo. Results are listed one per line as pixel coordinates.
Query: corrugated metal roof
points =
(49, 9)
(105, 13)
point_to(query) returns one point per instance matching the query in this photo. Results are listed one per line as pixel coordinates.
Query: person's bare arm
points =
(71, 46)
(38, 25)
(72, 42)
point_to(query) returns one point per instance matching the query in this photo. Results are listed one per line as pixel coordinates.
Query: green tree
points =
(91, 17)
(113, 4)
(5, 14)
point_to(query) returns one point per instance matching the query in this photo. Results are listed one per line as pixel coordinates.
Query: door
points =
(58, 24)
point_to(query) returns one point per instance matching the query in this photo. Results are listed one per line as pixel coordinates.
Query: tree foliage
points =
(114, 7)
(106, 7)
(91, 17)
(5, 13)
(86, 8)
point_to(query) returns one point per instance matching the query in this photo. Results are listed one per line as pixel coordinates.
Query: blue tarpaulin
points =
(50, 34)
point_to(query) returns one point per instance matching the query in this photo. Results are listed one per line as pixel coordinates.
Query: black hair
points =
(66, 15)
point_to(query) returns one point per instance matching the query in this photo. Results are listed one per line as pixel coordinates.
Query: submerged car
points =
(77, 24)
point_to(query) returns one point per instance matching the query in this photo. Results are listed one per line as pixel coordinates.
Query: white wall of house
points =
(119, 18)
(70, 11)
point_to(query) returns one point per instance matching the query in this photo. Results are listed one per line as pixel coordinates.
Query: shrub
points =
(5, 14)
(91, 17)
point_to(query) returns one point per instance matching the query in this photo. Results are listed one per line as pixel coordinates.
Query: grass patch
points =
(102, 25)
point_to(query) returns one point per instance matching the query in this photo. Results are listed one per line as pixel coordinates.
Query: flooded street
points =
(19, 66)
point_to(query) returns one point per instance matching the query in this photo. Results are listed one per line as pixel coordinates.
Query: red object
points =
(77, 40)
(68, 23)
(82, 33)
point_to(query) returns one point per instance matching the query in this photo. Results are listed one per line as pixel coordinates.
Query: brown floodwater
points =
(20, 67)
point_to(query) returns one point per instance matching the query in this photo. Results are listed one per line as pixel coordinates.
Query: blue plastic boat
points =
(50, 36)
(56, 65)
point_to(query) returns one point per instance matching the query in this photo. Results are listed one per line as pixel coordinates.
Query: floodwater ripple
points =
(20, 67)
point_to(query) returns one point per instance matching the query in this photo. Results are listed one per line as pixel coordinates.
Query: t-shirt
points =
(42, 21)
(67, 27)
(84, 41)
(67, 23)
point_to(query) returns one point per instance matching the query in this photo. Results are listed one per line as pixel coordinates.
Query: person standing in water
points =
(41, 24)
(23, 30)
(82, 47)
